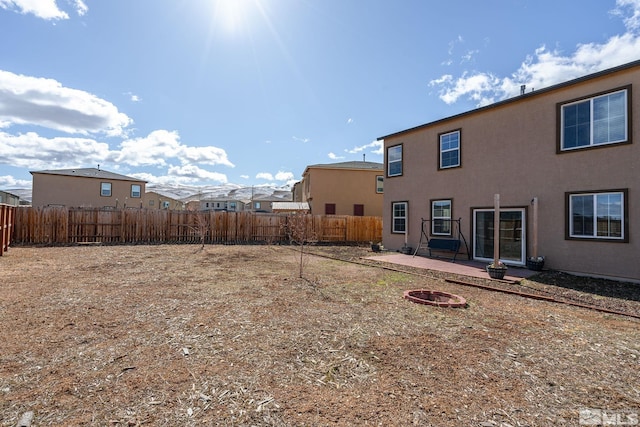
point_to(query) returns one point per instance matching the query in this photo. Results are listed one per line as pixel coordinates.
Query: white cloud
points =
(284, 176)
(26, 100)
(133, 97)
(264, 175)
(334, 156)
(81, 7)
(244, 176)
(376, 146)
(195, 174)
(32, 151)
(303, 140)
(349, 120)
(45, 9)
(7, 181)
(545, 68)
(161, 145)
(280, 176)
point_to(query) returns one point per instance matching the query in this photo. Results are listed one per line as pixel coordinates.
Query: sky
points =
(250, 92)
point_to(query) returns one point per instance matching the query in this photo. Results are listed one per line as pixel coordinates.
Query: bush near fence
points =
(64, 226)
(6, 225)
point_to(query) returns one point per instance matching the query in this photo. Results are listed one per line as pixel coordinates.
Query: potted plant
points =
(497, 270)
(535, 263)
(407, 250)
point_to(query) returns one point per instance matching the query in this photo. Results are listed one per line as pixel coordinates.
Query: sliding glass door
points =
(512, 235)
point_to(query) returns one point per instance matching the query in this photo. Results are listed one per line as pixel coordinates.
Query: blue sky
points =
(250, 92)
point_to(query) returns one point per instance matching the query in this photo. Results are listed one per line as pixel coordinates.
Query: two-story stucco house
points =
(564, 160)
(346, 188)
(86, 187)
(155, 200)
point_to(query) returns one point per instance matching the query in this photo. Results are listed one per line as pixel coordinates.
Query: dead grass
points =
(229, 335)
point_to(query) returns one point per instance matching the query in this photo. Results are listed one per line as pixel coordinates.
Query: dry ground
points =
(230, 336)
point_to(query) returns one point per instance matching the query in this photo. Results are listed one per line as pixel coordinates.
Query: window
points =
(165, 204)
(379, 184)
(399, 217)
(449, 150)
(358, 210)
(135, 191)
(596, 121)
(329, 208)
(105, 189)
(441, 217)
(394, 160)
(256, 205)
(598, 215)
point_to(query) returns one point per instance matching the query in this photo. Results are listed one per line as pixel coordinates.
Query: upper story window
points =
(329, 208)
(441, 217)
(449, 150)
(394, 160)
(105, 189)
(136, 191)
(597, 215)
(595, 121)
(399, 217)
(379, 184)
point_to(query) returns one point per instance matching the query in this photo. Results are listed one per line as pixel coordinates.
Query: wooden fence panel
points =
(7, 218)
(59, 225)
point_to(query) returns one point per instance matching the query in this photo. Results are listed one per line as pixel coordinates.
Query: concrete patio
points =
(462, 267)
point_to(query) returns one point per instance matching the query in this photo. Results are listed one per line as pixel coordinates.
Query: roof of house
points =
(290, 206)
(521, 97)
(350, 165)
(88, 173)
(10, 194)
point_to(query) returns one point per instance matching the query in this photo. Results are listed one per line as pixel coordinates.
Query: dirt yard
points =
(231, 336)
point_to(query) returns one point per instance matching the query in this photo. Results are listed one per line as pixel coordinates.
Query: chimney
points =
(522, 89)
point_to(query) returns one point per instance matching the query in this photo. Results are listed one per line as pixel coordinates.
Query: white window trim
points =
(379, 184)
(434, 218)
(103, 186)
(595, 236)
(389, 162)
(591, 121)
(394, 217)
(441, 151)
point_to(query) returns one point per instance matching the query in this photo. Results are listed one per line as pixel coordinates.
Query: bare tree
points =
(298, 227)
(201, 227)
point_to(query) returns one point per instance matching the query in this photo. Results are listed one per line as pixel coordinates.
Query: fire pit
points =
(437, 298)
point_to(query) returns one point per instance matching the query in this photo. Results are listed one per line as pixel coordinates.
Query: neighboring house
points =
(9, 198)
(222, 204)
(265, 203)
(155, 200)
(347, 188)
(89, 187)
(572, 151)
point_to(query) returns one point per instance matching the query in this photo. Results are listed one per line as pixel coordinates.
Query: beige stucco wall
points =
(345, 188)
(511, 150)
(71, 191)
(153, 200)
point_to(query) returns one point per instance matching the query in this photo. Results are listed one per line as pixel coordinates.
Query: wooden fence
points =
(6, 224)
(62, 226)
